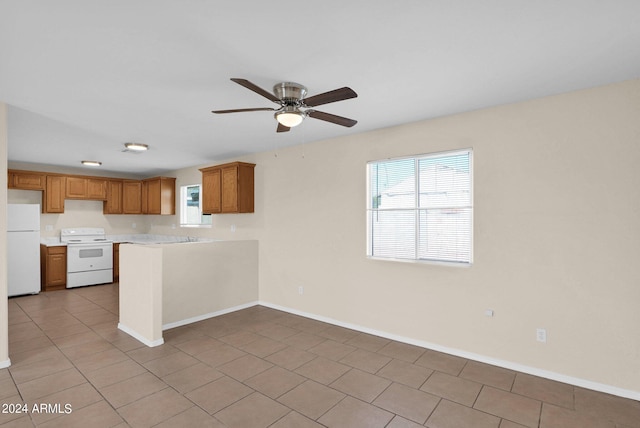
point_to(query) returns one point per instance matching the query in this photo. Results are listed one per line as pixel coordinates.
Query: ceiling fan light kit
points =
(292, 99)
(290, 116)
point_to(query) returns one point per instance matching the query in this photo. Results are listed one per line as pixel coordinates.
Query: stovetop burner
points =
(83, 235)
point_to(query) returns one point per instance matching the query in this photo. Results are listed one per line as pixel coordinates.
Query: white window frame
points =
(183, 207)
(416, 208)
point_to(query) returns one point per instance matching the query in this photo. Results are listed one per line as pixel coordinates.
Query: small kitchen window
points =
(420, 208)
(191, 207)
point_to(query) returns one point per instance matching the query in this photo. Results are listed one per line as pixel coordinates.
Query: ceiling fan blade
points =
(282, 128)
(330, 97)
(338, 120)
(240, 110)
(257, 89)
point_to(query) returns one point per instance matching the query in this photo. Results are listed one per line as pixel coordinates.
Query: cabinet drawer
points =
(60, 249)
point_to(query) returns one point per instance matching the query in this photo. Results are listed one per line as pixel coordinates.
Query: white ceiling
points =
(83, 77)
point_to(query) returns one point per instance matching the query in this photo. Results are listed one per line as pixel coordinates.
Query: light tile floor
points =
(262, 368)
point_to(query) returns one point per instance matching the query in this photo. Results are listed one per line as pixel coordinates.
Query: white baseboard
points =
(4, 364)
(208, 315)
(620, 392)
(139, 337)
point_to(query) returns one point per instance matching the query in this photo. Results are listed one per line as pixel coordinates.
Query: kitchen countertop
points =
(138, 238)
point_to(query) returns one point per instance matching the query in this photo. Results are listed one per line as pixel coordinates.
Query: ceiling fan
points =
(294, 107)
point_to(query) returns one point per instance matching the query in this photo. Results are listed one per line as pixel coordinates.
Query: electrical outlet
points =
(133, 226)
(301, 290)
(541, 335)
(233, 227)
(488, 312)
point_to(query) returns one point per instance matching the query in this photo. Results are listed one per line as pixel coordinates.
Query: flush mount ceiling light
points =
(136, 147)
(290, 116)
(91, 163)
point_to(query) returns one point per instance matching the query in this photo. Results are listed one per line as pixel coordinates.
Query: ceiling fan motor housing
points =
(290, 93)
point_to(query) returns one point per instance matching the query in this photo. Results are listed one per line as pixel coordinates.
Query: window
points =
(421, 208)
(191, 207)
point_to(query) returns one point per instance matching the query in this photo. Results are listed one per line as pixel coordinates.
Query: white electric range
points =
(89, 256)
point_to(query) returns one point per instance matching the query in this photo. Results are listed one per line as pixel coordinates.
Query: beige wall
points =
(555, 237)
(4, 321)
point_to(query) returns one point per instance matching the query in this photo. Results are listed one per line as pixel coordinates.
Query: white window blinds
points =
(421, 208)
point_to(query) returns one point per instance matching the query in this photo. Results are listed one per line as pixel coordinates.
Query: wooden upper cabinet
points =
(54, 194)
(228, 188)
(76, 188)
(121, 196)
(97, 189)
(113, 204)
(27, 180)
(132, 197)
(86, 188)
(159, 193)
(230, 199)
(211, 191)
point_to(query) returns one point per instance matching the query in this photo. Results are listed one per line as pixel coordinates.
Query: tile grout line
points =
(249, 324)
(70, 362)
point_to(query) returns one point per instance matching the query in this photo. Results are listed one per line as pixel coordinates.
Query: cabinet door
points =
(76, 188)
(56, 268)
(153, 196)
(96, 189)
(144, 197)
(116, 261)
(230, 189)
(132, 197)
(167, 196)
(159, 195)
(26, 180)
(54, 194)
(113, 204)
(245, 188)
(211, 192)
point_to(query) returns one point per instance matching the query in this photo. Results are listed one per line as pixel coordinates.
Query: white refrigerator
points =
(23, 247)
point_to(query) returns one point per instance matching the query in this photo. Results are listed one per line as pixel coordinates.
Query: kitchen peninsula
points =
(163, 286)
(53, 255)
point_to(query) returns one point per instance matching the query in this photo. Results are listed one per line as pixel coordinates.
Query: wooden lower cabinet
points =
(116, 261)
(53, 267)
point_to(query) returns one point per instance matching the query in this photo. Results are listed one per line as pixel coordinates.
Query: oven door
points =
(89, 256)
